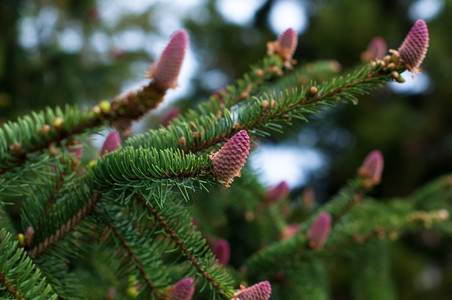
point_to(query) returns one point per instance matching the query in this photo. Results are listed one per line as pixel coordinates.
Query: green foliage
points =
(134, 222)
(19, 276)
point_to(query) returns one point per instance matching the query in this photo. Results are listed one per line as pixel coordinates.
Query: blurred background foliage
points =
(84, 51)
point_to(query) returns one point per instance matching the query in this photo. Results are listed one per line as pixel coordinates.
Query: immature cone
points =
(376, 49)
(289, 231)
(414, 47)
(284, 46)
(230, 159)
(220, 92)
(319, 231)
(171, 114)
(29, 233)
(259, 291)
(166, 70)
(182, 290)
(76, 148)
(277, 193)
(372, 167)
(112, 143)
(222, 251)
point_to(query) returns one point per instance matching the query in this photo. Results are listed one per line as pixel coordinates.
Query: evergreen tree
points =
(177, 213)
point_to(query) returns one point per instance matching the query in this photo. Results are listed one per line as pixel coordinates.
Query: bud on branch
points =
(182, 290)
(112, 143)
(166, 70)
(259, 291)
(319, 231)
(372, 167)
(230, 159)
(414, 47)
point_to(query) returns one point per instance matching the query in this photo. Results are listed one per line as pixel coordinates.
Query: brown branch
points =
(51, 200)
(12, 290)
(311, 97)
(134, 257)
(180, 244)
(66, 228)
(121, 112)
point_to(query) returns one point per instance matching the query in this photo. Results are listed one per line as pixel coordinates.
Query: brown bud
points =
(16, 149)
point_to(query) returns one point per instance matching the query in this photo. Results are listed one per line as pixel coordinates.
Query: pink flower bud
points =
(112, 143)
(220, 92)
(414, 47)
(277, 193)
(319, 231)
(166, 70)
(284, 46)
(229, 160)
(372, 167)
(289, 231)
(171, 114)
(29, 233)
(376, 49)
(76, 148)
(222, 251)
(259, 291)
(287, 42)
(182, 290)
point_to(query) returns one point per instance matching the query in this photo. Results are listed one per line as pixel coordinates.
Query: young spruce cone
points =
(229, 160)
(259, 291)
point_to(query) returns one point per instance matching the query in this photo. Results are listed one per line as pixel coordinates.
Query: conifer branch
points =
(21, 277)
(135, 259)
(41, 135)
(268, 69)
(11, 289)
(52, 199)
(21, 139)
(66, 228)
(278, 252)
(264, 113)
(128, 165)
(181, 245)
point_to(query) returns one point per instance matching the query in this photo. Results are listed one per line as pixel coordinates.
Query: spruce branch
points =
(279, 53)
(264, 113)
(23, 140)
(136, 260)
(206, 268)
(30, 135)
(21, 277)
(142, 167)
(11, 289)
(66, 228)
(277, 253)
(374, 220)
(53, 198)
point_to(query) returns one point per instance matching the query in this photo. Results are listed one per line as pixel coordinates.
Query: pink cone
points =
(222, 251)
(287, 42)
(372, 167)
(171, 114)
(277, 193)
(112, 143)
(182, 290)
(376, 49)
(259, 291)
(230, 159)
(289, 231)
(414, 47)
(220, 92)
(166, 70)
(319, 231)
(76, 148)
